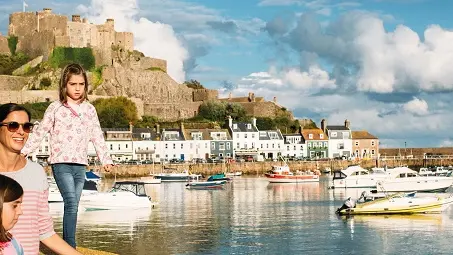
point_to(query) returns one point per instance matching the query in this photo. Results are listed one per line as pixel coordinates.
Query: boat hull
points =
(419, 184)
(406, 205)
(115, 201)
(277, 178)
(206, 185)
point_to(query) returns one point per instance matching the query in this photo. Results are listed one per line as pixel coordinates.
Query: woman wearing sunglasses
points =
(35, 224)
(72, 123)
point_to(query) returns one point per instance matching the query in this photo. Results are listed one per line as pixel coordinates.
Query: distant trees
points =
(284, 123)
(218, 111)
(115, 112)
(194, 84)
(9, 63)
(37, 110)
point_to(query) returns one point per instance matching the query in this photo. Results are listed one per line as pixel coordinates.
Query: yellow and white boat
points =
(400, 203)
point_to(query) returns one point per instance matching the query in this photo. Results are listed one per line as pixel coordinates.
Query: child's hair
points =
(8, 108)
(10, 190)
(68, 71)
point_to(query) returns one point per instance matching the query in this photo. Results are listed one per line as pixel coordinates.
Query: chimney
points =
(275, 100)
(254, 121)
(230, 121)
(347, 124)
(158, 128)
(76, 18)
(47, 10)
(324, 125)
(84, 20)
(131, 127)
(300, 129)
(182, 126)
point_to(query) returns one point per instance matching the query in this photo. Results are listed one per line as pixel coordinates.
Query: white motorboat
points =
(175, 176)
(426, 172)
(403, 179)
(396, 204)
(123, 195)
(357, 177)
(89, 188)
(150, 180)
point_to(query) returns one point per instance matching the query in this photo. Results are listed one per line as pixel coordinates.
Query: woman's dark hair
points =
(10, 190)
(6, 109)
(68, 71)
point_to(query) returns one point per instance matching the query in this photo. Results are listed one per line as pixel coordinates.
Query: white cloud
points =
(152, 38)
(446, 143)
(416, 106)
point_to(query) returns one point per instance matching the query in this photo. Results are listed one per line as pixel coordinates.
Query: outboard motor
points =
(349, 203)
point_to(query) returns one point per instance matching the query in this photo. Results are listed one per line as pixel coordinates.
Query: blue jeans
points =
(70, 179)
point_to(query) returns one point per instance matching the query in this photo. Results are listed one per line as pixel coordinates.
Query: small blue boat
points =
(206, 185)
(92, 176)
(219, 177)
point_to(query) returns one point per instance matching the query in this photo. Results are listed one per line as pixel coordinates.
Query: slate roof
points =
(337, 128)
(264, 135)
(362, 134)
(180, 138)
(242, 127)
(205, 133)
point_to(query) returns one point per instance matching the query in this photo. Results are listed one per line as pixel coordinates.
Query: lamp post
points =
(405, 154)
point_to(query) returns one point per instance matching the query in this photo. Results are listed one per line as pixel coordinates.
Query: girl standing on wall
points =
(72, 123)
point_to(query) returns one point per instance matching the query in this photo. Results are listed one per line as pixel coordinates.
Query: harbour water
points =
(252, 216)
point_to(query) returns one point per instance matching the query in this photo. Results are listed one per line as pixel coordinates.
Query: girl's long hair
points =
(68, 71)
(10, 190)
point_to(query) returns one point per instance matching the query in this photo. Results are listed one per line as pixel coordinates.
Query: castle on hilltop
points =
(125, 72)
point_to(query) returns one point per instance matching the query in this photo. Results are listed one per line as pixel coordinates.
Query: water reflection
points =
(252, 216)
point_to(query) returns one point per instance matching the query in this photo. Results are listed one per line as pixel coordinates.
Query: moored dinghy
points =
(206, 185)
(282, 174)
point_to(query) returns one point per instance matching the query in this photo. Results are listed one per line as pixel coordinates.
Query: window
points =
(309, 145)
(295, 147)
(235, 126)
(245, 136)
(334, 134)
(321, 136)
(126, 145)
(356, 143)
(253, 135)
(174, 146)
(182, 146)
(111, 147)
(166, 146)
(205, 145)
(310, 136)
(237, 146)
(340, 146)
(287, 147)
(325, 144)
(261, 146)
(46, 149)
(237, 136)
(228, 146)
(372, 143)
(345, 135)
(119, 146)
(320, 144)
(249, 126)
(222, 146)
(372, 152)
(253, 145)
(245, 145)
(228, 155)
(301, 147)
(267, 146)
(279, 146)
(212, 146)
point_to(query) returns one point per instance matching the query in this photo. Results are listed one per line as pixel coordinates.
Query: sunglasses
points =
(13, 126)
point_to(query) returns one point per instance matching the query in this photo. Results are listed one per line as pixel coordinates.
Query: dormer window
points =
(249, 126)
(235, 126)
(321, 136)
(310, 136)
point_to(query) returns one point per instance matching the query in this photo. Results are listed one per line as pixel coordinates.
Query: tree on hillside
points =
(115, 112)
(147, 122)
(236, 111)
(9, 63)
(37, 110)
(213, 110)
(265, 123)
(194, 84)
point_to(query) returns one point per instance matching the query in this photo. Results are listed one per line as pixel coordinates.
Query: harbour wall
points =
(259, 168)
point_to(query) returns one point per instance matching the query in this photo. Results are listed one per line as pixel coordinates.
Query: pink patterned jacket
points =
(69, 134)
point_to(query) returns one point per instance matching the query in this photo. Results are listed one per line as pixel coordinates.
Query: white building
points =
(270, 144)
(294, 146)
(245, 137)
(340, 139)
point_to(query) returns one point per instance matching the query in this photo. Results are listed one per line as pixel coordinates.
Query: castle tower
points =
(76, 18)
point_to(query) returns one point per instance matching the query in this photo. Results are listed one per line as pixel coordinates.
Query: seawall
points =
(259, 168)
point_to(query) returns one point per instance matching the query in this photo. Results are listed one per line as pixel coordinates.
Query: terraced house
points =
(365, 145)
(340, 139)
(316, 142)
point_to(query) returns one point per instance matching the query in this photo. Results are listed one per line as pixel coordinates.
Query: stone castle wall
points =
(205, 94)
(264, 109)
(12, 83)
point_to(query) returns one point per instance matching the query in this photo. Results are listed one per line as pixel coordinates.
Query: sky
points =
(382, 64)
